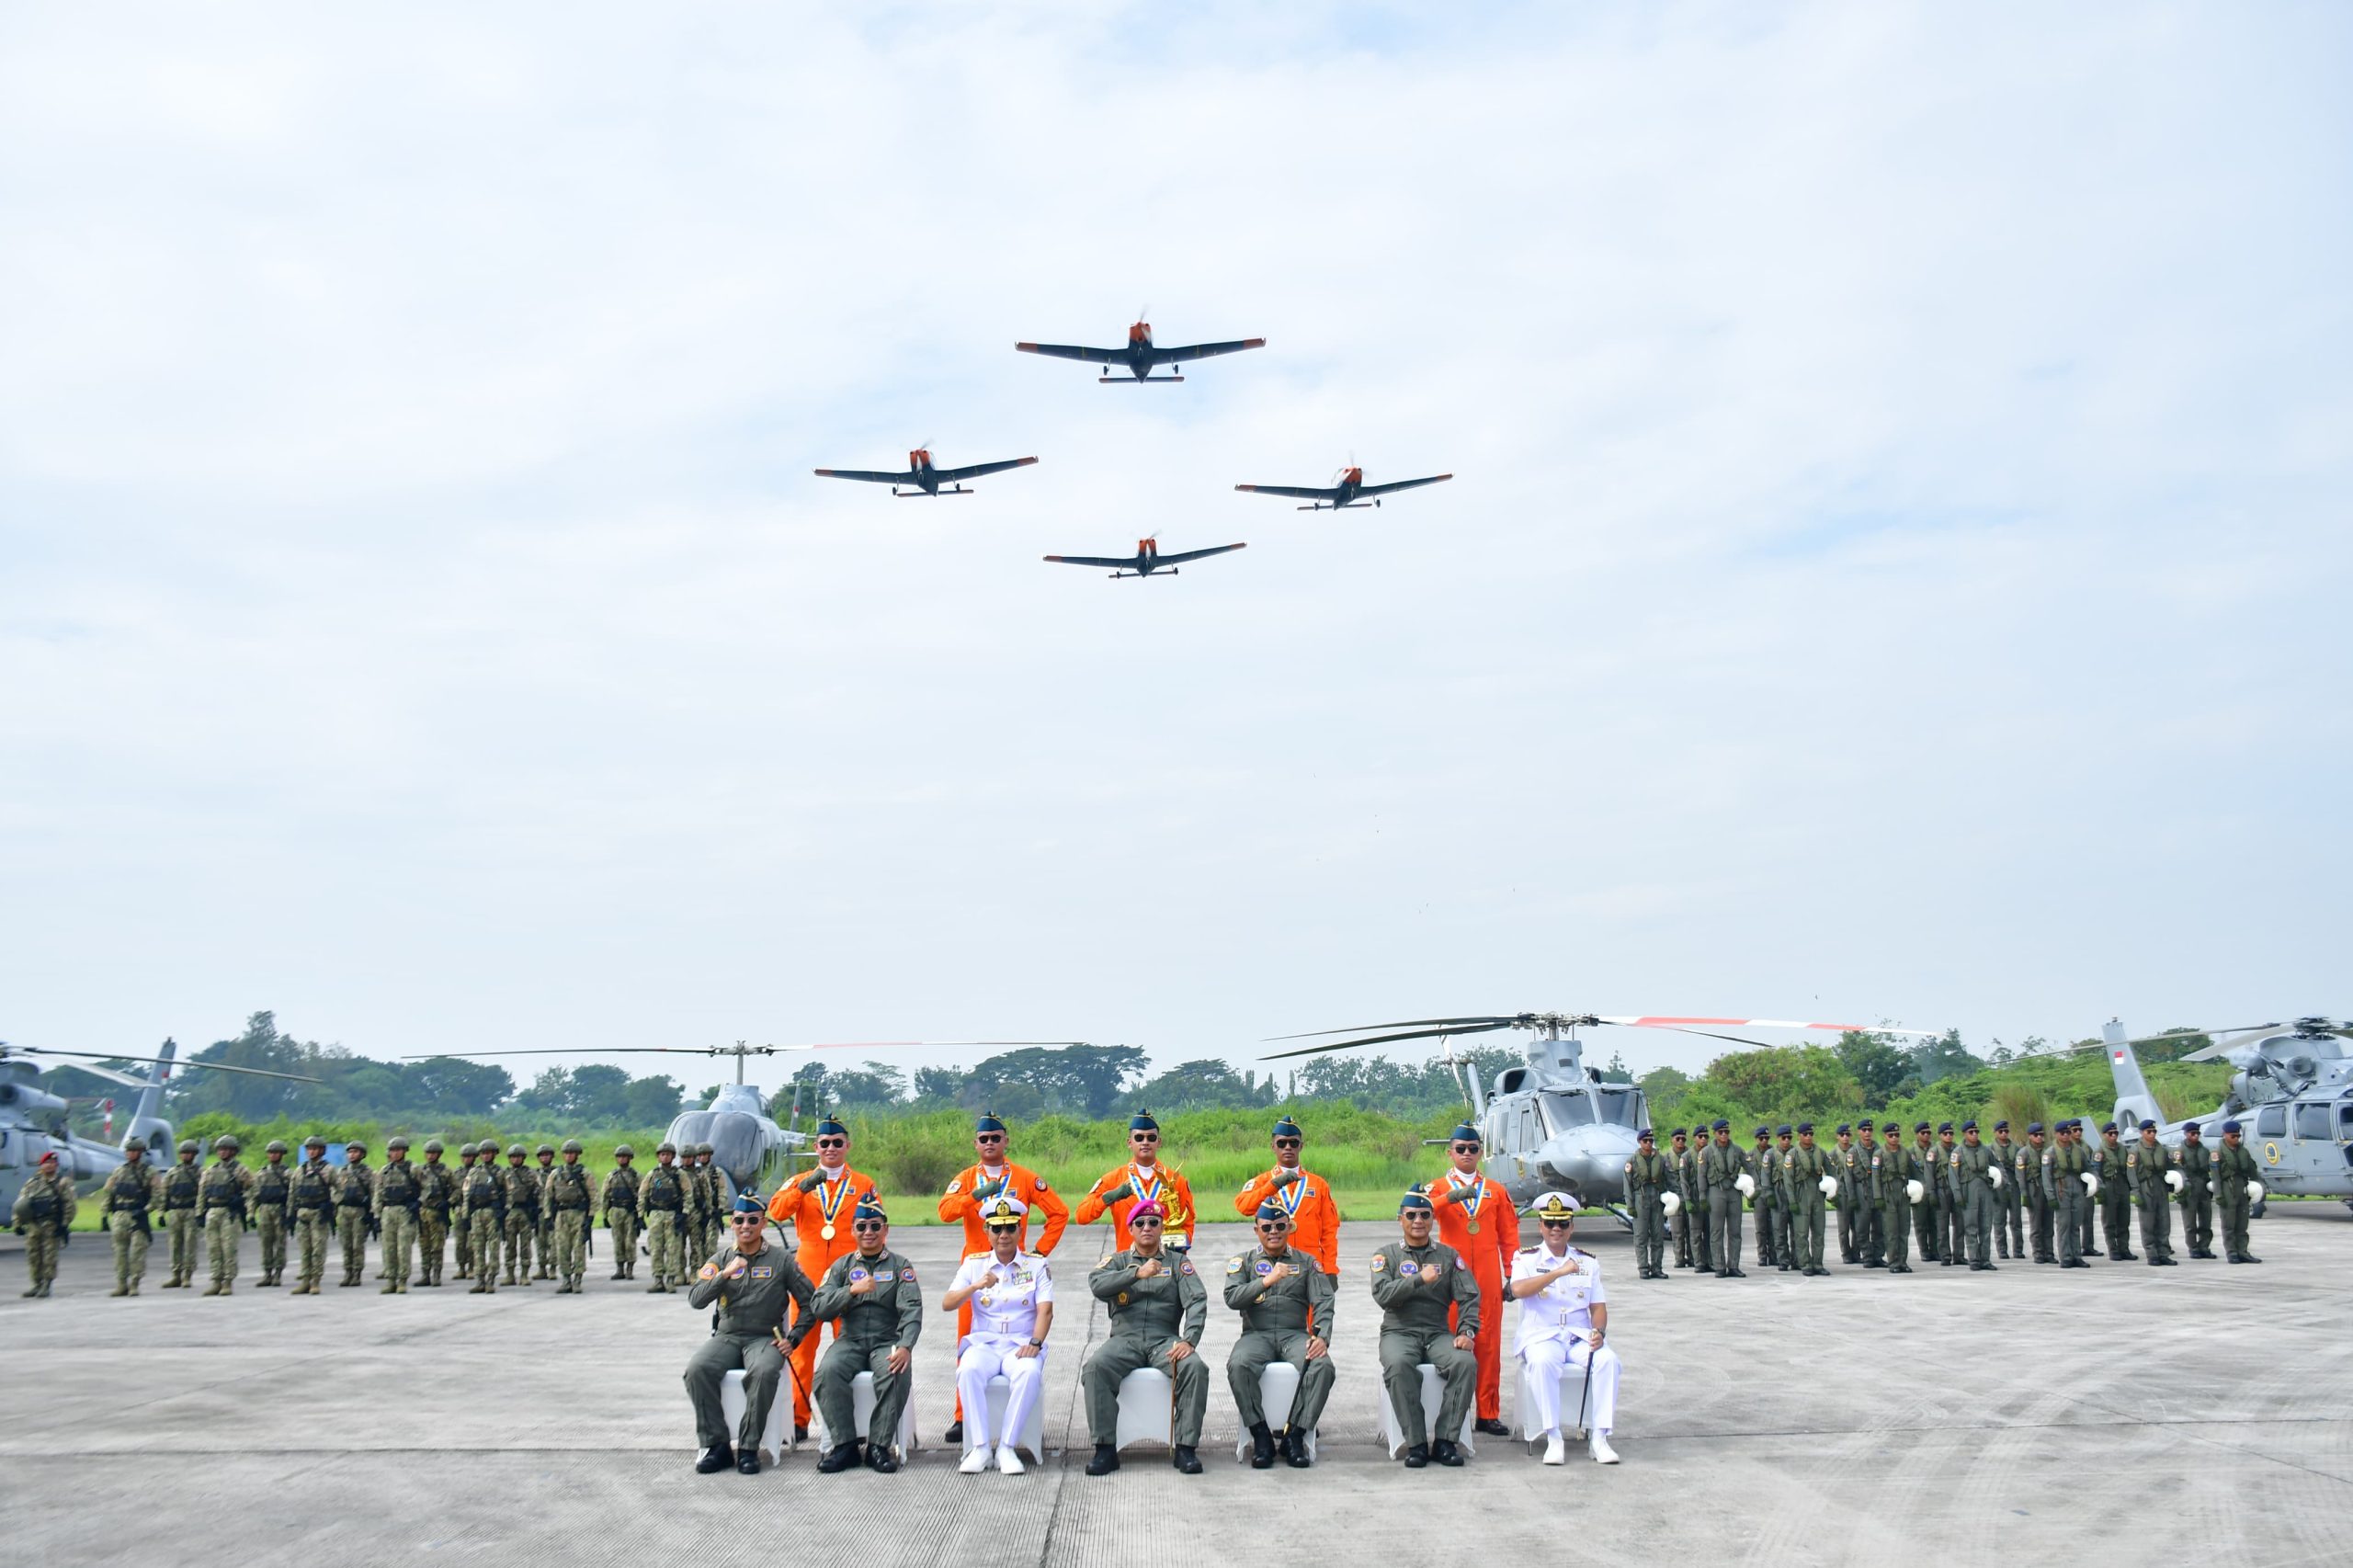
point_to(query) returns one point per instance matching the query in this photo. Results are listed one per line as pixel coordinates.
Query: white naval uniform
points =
(1004, 1317)
(1555, 1331)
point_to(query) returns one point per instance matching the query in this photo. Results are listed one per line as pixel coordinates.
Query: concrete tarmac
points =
(2200, 1412)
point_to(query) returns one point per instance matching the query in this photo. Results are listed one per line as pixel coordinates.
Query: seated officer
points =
(1563, 1318)
(1158, 1307)
(1285, 1300)
(869, 1295)
(751, 1281)
(1011, 1295)
(1415, 1282)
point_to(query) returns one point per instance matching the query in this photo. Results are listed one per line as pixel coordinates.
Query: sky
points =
(1896, 568)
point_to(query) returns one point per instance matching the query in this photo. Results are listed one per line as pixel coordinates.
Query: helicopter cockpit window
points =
(2271, 1121)
(1618, 1107)
(2311, 1121)
(1564, 1111)
(2345, 1120)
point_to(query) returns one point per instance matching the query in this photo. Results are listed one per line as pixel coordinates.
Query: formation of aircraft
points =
(1146, 560)
(926, 479)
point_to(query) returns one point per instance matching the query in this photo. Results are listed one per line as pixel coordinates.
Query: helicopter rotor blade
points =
(1657, 1021)
(1386, 1039)
(747, 1049)
(1488, 1020)
(178, 1061)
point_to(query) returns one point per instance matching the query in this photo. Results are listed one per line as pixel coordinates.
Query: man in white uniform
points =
(1011, 1296)
(1564, 1320)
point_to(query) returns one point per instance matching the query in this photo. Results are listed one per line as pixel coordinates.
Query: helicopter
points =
(32, 1119)
(747, 1148)
(2292, 1092)
(1552, 1123)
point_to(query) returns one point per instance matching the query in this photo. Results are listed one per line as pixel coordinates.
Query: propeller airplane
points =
(1146, 560)
(1142, 355)
(926, 479)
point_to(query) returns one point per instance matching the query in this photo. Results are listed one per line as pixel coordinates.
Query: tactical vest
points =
(662, 1189)
(311, 1189)
(484, 1190)
(568, 1188)
(355, 1194)
(433, 1187)
(522, 1191)
(179, 1187)
(620, 1190)
(269, 1186)
(41, 1202)
(133, 1196)
(397, 1185)
(224, 1190)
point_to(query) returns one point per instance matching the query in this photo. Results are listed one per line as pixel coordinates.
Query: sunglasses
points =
(749, 1219)
(1287, 1143)
(1007, 1230)
(864, 1227)
(1466, 1148)
(1275, 1227)
(988, 1137)
(1138, 1223)
(1143, 1137)
(1555, 1225)
(833, 1143)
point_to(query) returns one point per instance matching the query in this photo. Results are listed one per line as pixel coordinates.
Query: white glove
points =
(1671, 1203)
(2091, 1182)
(1746, 1184)
(1913, 1190)
(1995, 1173)
(2173, 1180)
(1829, 1186)
(2255, 1192)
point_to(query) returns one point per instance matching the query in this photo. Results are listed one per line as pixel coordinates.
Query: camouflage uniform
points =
(695, 1217)
(223, 1200)
(44, 1214)
(437, 1191)
(393, 1206)
(522, 1188)
(661, 1199)
(273, 1191)
(567, 1190)
(176, 1188)
(128, 1195)
(619, 1201)
(543, 1234)
(312, 1200)
(355, 1211)
(482, 1208)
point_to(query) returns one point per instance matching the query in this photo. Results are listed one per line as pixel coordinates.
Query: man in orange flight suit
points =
(971, 1191)
(1121, 1188)
(1476, 1218)
(1305, 1197)
(818, 1207)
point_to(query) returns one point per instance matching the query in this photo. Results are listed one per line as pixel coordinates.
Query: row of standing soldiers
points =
(418, 1208)
(1965, 1201)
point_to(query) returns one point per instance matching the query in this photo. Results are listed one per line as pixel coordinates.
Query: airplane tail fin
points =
(2133, 1099)
(146, 1116)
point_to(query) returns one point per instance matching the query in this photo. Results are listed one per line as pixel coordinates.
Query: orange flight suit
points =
(1314, 1213)
(1027, 1186)
(809, 1214)
(1176, 1194)
(1489, 1254)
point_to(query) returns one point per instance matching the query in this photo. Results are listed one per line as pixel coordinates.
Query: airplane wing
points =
(1195, 554)
(1115, 562)
(867, 474)
(974, 471)
(1305, 492)
(1403, 484)
(1065, 352)
(1207, 350)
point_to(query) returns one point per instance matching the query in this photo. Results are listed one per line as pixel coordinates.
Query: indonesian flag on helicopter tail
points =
(1660, 1021)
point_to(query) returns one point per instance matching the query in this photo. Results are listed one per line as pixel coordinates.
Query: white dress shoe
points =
(1602, 1452)
(1556, 1452)
(975, 1462)
(1007, 1461)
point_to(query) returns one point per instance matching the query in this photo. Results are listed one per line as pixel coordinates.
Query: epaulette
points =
(1524, 1251)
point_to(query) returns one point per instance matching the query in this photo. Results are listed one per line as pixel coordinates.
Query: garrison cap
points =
(749, 1203)
(1553, 1205)
(1004, 1209)
(623, 1152)
(139, 1147)
(433, 1146)
(2033, 1127)
(2229, 1126)
(1142, 1122)
(514, 1151)
(1416, 1199)
(870, 1208)
(1782, 1131)
(666, 1147)
(1150, 1209)
(226, 1141)
(1844, 1128)
(545, 1149)
(396, 1141)
(1808, 1127)
(187, 1145)
(1287, 1128)
(1466, 1133)
(2003, 1125)
(1271, 1210)
(831, 1127)
(2147, 1126)
(2108, 1127)
(1941, 1126)
(572, 1146)
(988, 1122)
(315, 1141)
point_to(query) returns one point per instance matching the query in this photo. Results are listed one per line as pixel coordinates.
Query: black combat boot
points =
(715, 1460)
(838, 1459)
(1447, 1454)
(1418, 1456)
(878, 1459)
(1187, 1461)
(955, 1432)
(748, 1463)
(1295, 1449)
(1492, 1428)
(1262, 1446)
(1107, 1460)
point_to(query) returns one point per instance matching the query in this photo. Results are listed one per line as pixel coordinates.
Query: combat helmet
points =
(467, 1151)
(187, 1146)
(433, 1146)
(666, 1147)
(136, 1146)
(514, 1151)
(277, 1146)
(395, 1142)
(315, 1141)
(623, 1152)
(572, 1146)
(544, 1149)
(226, 1144)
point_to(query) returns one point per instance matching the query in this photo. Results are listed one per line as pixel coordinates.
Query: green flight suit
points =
(1953, 1238)
(1972, 1174)
(1414, 1330)
(868, 1325)
(2113, 1165)
(1278, 1319)
(2148, 1164)
(273, 1199)
(1149, 1317)
(2009, 1229)
(2029, 1177)
(125, 1200)
(742, 1337)
(1870, 1215)
(1720, 1167)
(2195, 1163)
(1892, 1175)
(2233, 1168)
(2068, 1163)
(1927, 1215)
(1845, 1164)
(1766, 1166)
(1802, 1200)
(1647, 1177)
(1691, 1218)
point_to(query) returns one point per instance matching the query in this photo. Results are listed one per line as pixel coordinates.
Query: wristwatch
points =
(1036, 1345)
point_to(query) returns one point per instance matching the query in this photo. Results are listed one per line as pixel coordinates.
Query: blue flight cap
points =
(749, 1203)
(832, 1128)
(1941, 1126)
(1892, 1126)
(2034, 1127)
(988, 1123)
(1287, 1128)
(2002, 1126)
(1764, 1132)
(1723, 1125)
(2108, 1127)
(1782, 1131)
(870, 1208)
(1680, 1132)
(1416, 1199)
(1646, 1136)
(1271, 1210)
(1142, 1122)
(1844, 1129)
(2147, 1126)
(1466, 1133)
(2230, 1127)
(1923, 1127)
(2191, 1130)
(1971, 1125)
(1805, 1127)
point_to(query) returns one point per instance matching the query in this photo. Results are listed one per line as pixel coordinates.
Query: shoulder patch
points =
(1380, 1262)
(1460, 1261)
(709, 1271)
(1041, 1184)
(955, 1186)
(1234, 1265)
(907, 1275)
(1185, 1266)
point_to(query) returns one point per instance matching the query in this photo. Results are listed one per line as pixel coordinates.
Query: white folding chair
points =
(1031, 1439)
(1147, 1405)
(1433, 1391)
(1572, 1416)
(1277, 1391)
(861, 1408)
(775, 1438)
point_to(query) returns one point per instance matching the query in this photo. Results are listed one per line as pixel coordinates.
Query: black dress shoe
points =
(1187, 1461)
(2249, 1257)
(799, 1432)
(1262, 1448)
(1740, 1274)
(1489, 1428)
(955, 1432)
(1899, 1268)
(878, 1459)
(1447, 1454)
(1417, 1457)
(1295, 1450)
(713, 1460)
(748, 1463)
(1107, 1460)
(838, 1460)
(2074, 1263)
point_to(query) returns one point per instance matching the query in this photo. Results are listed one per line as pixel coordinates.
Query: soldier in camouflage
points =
(1802, 1170)
(437, 1195)
(393, 1206)
(521, 1184)
(124, 1201)
(713, 1200)
(223, 1206)
(567, 1191)
(619, 1201)
(482, 1210)
(355, 1210)
(463, 1239)
(1157, 1306)
(2151, 1163)
(871, 1297)
(176, 1192)
(543, 1232)
(2195, 1161)
(273, 1194)
(1648, 1175)
(43, 1215)
(2009, 1198)
(662, 1199)
(1415, 1282)
(312, 1200)
(2235, 1175)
